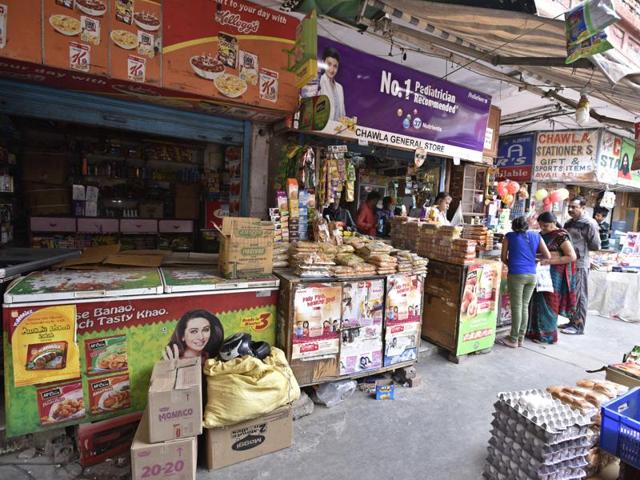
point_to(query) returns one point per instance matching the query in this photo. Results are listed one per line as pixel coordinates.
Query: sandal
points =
(507, 342)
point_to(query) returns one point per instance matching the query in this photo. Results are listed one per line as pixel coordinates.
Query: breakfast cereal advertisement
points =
(20, 30)
(479, 309)
(135, 39)
(232, 50)
(316, 325)
(404, 299)
(91, 359)
(76, 35)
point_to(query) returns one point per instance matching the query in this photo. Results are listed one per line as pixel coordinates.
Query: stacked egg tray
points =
(536, 437)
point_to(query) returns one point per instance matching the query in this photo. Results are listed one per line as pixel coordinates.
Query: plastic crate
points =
(620, 432)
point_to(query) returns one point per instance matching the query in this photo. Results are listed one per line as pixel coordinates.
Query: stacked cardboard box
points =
(166, 444)
(246, 247)
(444, 244)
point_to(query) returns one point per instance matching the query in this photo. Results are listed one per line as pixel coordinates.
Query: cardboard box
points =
(175, 399)
(244, 441)
(621, 377)
(176, 459)
(43, 199)
(246, 248)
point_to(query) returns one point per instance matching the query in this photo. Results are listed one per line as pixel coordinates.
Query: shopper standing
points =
(585, 237)
(519, 249)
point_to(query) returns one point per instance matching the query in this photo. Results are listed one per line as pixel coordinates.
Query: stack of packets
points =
(282, 215)
(281, 254)
(444, 244)
(480, 234)
(405, 232)
(312, 260)
(411, 263)
(385, 264)
(586, 396)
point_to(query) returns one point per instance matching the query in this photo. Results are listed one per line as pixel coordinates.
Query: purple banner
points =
(380, 101)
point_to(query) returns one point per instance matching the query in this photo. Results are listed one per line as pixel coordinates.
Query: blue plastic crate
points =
(620, 432)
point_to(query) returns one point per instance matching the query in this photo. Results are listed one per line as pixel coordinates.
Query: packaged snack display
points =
(104, 355)
(109, 394)
(47, 356)
(60, 403)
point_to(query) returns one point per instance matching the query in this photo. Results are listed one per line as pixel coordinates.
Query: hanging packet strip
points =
(589, 19)
(589, 47)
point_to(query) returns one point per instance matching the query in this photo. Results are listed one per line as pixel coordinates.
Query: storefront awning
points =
(502, 37)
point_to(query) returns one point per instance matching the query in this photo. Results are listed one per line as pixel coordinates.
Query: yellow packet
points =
(44, 346)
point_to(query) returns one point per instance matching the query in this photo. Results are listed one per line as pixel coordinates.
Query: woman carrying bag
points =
(562, 300)
(519, 249)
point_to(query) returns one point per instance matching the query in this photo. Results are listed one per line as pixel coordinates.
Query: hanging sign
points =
(566, 156)
(363, 96)
(515, 157)
(609, 157)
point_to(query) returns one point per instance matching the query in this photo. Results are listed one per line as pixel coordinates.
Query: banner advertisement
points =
(404, 299)
(609, 157)
(566, 156)
(479, 310)
(95, 360)
(232, 50)
(21, 30)
(626, 176)
(363, 97)
(515, 157)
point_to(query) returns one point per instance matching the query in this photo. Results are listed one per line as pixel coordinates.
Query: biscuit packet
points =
(44, 346)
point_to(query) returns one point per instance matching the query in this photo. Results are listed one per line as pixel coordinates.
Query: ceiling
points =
(472, 32)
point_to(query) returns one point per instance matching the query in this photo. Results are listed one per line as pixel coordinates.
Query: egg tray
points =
(513, 448)
(506, 472)
(529, 463)
(539, 447)
(507, 423)
(553, 419)
(505, 464)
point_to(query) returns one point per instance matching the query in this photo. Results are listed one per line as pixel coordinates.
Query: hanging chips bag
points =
(591, 46)
(588, 19)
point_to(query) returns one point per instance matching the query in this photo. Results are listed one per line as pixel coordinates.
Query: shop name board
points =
(362, 97)
(515, 157)
(568, 156)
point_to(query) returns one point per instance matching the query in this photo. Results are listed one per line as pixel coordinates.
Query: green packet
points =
(589, 19)
(107, 354)
(589, 47)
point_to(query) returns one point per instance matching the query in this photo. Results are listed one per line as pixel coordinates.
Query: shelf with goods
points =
(7, 195)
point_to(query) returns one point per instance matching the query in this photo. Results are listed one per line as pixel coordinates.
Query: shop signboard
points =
(363, 97)
(135, 34)
(234, 51)
(316, 320)
(567, 156)
(627, 177)
(479, 310)
(609, 158)
(515, 157)
(117, 342)
(20, 29)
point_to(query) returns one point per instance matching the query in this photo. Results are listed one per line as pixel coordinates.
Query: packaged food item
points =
(228, 50)
(588, 19)
(249, 67)
(109, 394)
(124, 11)
(269, 85)
(146, 44)
(106, 355)
(60, 403)
(47, 356)
(90, 30)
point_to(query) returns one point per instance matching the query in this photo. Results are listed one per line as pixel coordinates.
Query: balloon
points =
(513, 187)
(554, 197)
(547, 202)
(507, 199)
(501, 189)
(541, 194)
(564, 193)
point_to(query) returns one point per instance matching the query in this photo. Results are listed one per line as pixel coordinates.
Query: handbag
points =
(543, 278)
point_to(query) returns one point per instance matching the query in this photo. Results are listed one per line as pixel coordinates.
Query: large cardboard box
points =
(175, 400)
(623, 378)
(247, 440)
(246, 248)
(175, 460)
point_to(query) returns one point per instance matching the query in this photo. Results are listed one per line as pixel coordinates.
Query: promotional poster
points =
(515, 157)
(362, 303)
(404, 299)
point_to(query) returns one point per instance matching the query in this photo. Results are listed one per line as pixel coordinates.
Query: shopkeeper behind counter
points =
(367, 220)
(438, 211)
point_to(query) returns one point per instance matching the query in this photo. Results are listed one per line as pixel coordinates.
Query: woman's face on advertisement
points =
(332, 67)
(197, 334)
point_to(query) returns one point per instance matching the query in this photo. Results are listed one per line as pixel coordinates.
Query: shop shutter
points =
(63, 105)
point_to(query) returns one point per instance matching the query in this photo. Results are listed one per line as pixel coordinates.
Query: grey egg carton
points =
(508, 423)
(515, 449)
(530, 464)
(508, 472)
(537, 446)
(553, 419)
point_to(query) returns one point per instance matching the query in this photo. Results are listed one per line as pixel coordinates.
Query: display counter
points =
(80, 345)
(336, 329)
(615, 294)
(461, 306)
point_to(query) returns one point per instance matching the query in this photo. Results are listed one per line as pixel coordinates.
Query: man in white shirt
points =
(329, 86)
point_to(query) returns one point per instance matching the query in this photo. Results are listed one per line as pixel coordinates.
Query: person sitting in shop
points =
(337, 212)
(367, 220)
(385, 215)
(600, 214)
(438, 211)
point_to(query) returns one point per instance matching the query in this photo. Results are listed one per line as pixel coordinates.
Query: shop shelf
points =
(620, 433)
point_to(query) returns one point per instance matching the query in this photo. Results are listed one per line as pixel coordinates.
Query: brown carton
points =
(247, 440)
(175, 460)
(246, 248)
(175, 400)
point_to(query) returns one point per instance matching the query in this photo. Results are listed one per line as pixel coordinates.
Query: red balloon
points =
(513, 187)
(501, 188)
(555, 197)
(547, 201)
